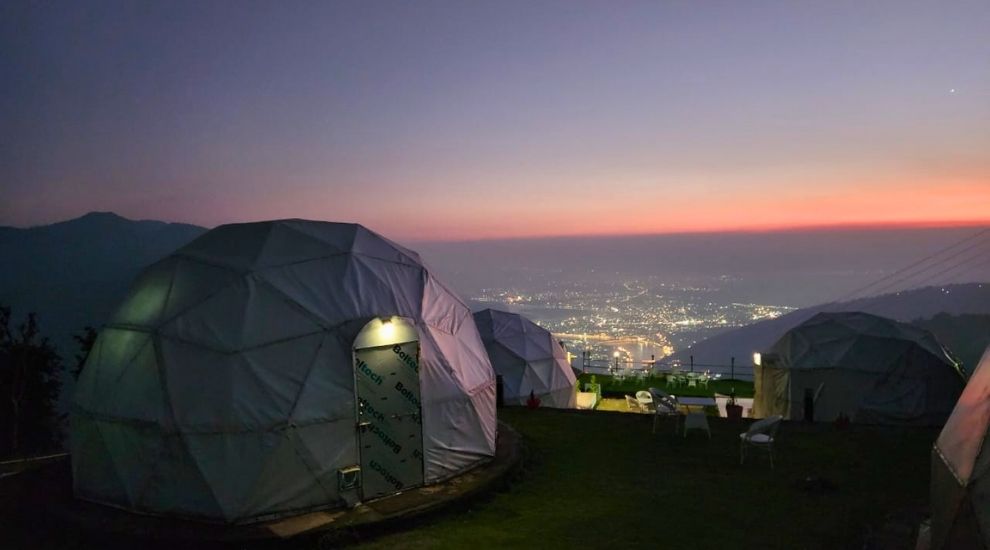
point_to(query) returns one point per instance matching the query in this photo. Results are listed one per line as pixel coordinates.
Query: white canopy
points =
(223, 387)
(872, 369)
(528, 358)
(961, 468)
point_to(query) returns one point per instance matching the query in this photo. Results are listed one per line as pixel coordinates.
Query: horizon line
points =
(770, 228)
(852, 226)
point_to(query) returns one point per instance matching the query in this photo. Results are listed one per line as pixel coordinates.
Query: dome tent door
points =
(389, 415)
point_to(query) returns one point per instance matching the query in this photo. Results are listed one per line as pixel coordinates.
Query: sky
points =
(474, 120)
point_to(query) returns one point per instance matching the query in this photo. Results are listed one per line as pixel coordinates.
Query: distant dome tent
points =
(960, 489)
(528, 359)
(271, 368)
(872, 369)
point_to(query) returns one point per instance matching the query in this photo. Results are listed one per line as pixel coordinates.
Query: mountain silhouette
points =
(73, 273)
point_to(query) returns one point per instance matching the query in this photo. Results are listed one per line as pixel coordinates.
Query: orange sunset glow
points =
(495, 129)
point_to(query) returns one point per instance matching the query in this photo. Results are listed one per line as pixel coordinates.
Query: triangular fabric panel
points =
(230, 463)
(134, 453)
(236, 246)
(318, 287)
(254, 305)
(287, 245)
(327, 393)
(176, 486)
(145, 302)
(95, 475)
(113, 352)
(338, 236)
(287, 479)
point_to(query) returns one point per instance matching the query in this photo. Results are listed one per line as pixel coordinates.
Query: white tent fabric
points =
(872, 369)
(223, 388)
(528, 359)
(960, 489)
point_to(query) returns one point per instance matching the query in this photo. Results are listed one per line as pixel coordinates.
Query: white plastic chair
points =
(664, 405)
(645, 400)
(761, 433)
(586, 400)
(633, 404)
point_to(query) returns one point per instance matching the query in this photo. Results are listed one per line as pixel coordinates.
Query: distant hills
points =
(962, 307)
(798, 268)
(73, 273)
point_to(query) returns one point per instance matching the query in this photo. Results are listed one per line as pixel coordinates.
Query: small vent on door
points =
(349, 478)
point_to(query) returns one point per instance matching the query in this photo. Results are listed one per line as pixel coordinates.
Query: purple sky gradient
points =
(459, 120)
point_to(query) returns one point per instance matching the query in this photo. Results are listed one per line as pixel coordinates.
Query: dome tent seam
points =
(239, 350)
(176, 432)
(309, 373)
(273, 427)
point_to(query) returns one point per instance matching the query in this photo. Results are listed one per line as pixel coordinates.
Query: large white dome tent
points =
(528, 359)
(276, 367)
(960, 481)
(873, 369)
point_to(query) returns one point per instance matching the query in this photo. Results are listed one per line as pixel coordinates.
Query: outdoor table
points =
(696, 419)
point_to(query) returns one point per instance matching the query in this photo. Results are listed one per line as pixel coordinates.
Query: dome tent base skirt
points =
(485, 475)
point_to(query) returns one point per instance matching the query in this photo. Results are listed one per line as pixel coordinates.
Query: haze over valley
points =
(644, 296)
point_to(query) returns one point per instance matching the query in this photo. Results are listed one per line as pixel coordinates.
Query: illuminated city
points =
(642, 318)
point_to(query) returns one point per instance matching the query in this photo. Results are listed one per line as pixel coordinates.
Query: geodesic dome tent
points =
(960, 489)
(872, 369)
(528, 358)
(276, 367)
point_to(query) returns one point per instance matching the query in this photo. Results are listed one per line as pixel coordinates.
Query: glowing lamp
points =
(388, 327)
(757, 359)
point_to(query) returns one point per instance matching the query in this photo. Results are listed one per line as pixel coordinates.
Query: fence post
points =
(692, 363)
(732, 365)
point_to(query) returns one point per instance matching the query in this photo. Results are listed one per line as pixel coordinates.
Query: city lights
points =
(648, 318)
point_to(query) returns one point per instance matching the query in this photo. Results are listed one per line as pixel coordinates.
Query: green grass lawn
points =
(630, 385)
(601, 480)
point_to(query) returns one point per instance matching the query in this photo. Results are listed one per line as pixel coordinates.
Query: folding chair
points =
(665, 405)
(761, 433)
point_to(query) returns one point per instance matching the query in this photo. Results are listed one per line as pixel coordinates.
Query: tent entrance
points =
(389, 416)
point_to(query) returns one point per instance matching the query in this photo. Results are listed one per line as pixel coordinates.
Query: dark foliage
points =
(29, 386)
